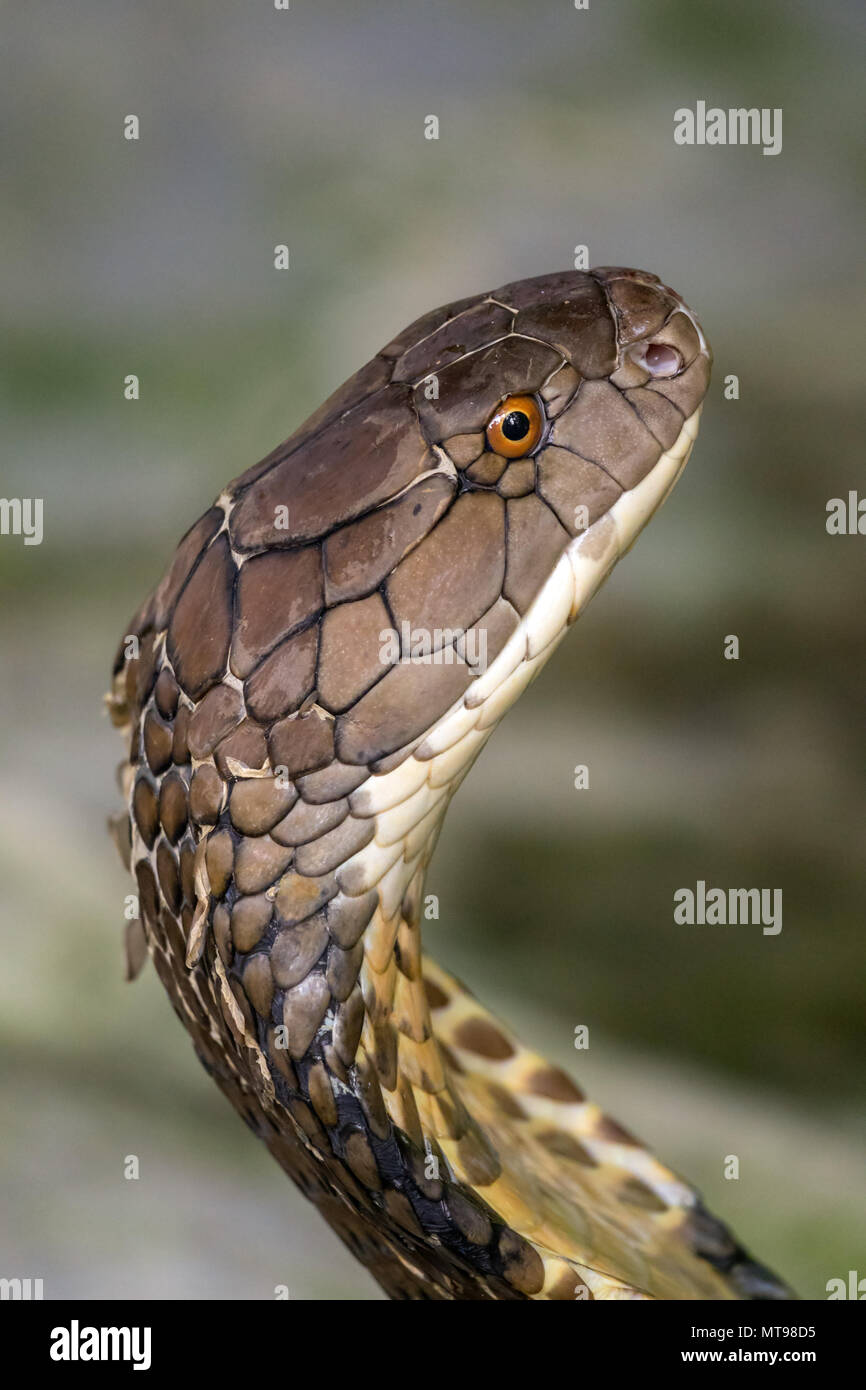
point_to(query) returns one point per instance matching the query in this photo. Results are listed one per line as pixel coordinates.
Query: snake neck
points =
(404, 804)
(309, 999)
(375, 1058)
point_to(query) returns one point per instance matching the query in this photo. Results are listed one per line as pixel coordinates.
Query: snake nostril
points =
(660, 359)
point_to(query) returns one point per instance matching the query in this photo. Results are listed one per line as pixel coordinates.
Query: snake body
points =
(302, 694)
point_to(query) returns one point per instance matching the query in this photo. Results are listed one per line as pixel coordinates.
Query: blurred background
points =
(155, 257)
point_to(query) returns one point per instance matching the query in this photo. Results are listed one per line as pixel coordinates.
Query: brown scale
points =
(256, 706)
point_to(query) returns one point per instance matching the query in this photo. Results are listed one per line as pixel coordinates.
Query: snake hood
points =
(329, 651)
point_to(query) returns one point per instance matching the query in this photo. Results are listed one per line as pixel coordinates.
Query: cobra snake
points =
(333, 644)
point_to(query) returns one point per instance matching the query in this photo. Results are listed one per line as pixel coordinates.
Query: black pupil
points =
(515, 426)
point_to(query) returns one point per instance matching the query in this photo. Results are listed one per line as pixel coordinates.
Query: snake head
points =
(498, 445)
(573, 397)
(570, 385)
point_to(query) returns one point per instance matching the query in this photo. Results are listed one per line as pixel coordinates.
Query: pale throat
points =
(408, 803)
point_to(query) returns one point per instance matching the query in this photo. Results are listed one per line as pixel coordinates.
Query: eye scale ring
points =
(516, 426)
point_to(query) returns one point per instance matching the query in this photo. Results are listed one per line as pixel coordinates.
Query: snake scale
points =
(333, 644)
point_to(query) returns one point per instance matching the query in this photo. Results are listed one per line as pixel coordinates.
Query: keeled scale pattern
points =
(286, 788)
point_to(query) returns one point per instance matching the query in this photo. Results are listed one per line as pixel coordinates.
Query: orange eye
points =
(516, 427)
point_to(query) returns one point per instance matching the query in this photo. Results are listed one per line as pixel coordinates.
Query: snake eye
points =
(516, 427)
(659, 359)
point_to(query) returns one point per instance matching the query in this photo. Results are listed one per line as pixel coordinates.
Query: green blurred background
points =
(156, 258)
